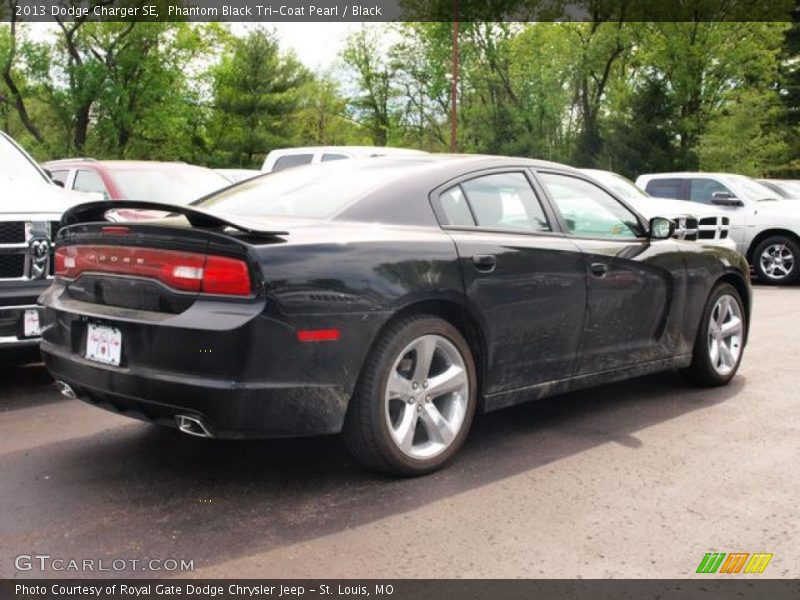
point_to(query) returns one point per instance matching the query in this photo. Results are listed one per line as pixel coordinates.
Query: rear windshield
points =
(173, 185)
(316, 192)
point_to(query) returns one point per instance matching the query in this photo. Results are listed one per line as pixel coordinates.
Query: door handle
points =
(484, 262)
(598, 269)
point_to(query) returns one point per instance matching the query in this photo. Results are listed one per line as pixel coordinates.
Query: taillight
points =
(182, 271)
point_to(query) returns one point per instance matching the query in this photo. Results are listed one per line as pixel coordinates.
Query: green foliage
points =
(627, 96)
(256, 90)
(741, 138)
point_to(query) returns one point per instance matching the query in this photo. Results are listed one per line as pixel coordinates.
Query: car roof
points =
(682, 174)
(122, 164)
(348, 149)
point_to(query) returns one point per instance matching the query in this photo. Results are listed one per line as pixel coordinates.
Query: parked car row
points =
(387, 297)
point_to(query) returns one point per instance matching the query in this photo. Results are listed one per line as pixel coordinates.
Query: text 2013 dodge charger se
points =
(389, 299)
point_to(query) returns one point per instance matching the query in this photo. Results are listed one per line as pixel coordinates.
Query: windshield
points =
(317, 192)
(790, 188)
(753, 189)
(16, 165)
(617, 183)
(170, 185)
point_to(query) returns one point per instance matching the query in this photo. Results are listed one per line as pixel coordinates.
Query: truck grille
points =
(708, 228)
(12, 266)
(12, 232)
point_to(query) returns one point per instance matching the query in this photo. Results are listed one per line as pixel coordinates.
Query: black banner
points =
(414, 589)
(395, 10)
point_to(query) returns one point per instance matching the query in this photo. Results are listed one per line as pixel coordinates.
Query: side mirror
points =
(661, 228)
(725, 199)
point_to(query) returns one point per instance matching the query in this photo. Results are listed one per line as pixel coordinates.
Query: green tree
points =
(741, 139)
(255, 97)
(322, 117)
(375, 101)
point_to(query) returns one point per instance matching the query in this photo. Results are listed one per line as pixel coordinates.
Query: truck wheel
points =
(415, 400)
(775, 260)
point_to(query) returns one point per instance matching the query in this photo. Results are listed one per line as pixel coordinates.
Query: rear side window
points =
(498, 201)
(702, 189)
(327, 157)
(90, 181)
(666, 188)
(455, 209)
(292, 160)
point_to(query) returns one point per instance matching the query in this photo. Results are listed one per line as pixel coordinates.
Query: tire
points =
(705, 369)
(777, 260)
(396, 422)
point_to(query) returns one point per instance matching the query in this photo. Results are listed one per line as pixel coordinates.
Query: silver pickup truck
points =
(30, 210)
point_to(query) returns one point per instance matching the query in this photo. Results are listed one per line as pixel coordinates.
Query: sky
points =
(317, 45)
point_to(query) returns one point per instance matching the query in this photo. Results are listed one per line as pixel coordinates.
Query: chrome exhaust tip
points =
(66, 390)
(192, 426)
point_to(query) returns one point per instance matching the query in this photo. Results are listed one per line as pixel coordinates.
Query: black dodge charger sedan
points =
(390, 299)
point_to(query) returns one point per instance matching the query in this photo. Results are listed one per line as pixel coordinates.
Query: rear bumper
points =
(227, 409)
(239, 368)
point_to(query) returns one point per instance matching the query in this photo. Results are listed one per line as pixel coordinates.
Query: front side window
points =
(504, 201)
(588, 210)
(702, 189)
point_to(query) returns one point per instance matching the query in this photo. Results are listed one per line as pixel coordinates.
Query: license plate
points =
(30, 324)
(103, 344)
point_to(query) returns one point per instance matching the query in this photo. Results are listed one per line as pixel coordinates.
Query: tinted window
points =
(90, 181)
(455, 209)
(700, 190)
(318, 193)
(327, 157)
(505, 201)
(292, 160)
(666, 188)
(588, 210)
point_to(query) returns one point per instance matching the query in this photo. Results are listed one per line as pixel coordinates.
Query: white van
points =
(285, 158)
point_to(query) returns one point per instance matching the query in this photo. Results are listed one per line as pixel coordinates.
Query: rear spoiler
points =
(91, 212)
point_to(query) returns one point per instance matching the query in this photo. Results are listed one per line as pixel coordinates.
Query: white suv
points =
(766, 229)
(285, 158)
(30, 210)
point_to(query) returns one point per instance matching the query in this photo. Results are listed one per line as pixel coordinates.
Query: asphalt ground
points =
(638, 479)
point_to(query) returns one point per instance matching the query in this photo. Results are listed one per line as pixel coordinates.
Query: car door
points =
(523, 280)
(632, 282)
(701, 189)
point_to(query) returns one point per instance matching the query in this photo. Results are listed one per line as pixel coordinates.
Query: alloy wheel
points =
(426, 397)
(777, 261)
(725, 330)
